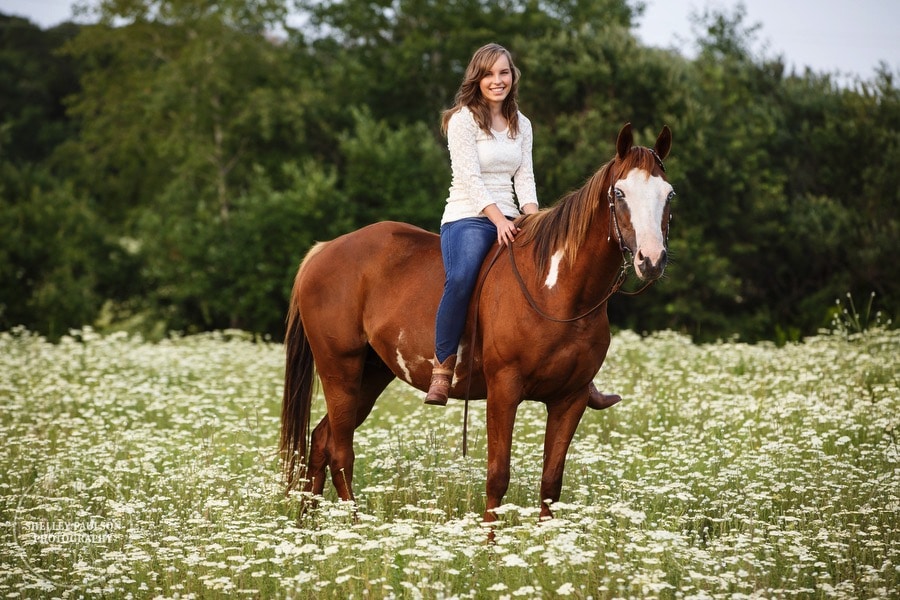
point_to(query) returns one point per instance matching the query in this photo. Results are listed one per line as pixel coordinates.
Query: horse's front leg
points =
(562, 421)
(500, 420)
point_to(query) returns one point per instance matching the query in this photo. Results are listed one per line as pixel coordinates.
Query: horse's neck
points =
(577, 254)
(583, 282)
(597, 263)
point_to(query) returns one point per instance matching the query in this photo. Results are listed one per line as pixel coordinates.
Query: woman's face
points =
(496, 84)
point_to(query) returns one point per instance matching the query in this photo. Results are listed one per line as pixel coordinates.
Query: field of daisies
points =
(131, 469)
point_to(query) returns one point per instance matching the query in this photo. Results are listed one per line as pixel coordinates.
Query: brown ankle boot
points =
(441, 375)
(598, 400)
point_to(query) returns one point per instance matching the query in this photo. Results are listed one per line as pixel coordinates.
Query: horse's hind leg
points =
(376, 378)
(318, 458)
(332, 440)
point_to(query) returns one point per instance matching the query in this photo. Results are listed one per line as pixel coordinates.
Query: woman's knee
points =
(460, 281)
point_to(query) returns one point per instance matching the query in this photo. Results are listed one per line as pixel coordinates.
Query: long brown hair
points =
(469, 93)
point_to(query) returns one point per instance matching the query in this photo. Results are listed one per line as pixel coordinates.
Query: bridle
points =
(614, 219)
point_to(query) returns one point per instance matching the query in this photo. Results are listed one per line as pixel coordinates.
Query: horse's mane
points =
(566, 225)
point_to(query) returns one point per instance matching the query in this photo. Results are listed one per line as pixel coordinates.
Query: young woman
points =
(490, 157)
(490, 144)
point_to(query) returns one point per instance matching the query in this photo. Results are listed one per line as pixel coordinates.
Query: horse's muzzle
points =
(648, 268)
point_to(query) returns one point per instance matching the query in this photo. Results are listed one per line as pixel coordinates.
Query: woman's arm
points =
(462, 132)
(523, 179)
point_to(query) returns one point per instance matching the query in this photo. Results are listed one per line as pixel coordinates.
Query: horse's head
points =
(639, 200)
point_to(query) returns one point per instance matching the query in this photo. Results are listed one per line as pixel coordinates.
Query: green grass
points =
(138, 470)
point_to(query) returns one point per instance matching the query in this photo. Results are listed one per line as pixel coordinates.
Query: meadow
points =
(131, 469)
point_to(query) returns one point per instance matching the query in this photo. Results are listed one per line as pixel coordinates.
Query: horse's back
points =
(378, 286)
(378, 245)
(386, 251)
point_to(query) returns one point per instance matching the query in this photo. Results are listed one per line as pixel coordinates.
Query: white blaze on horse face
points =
(553, 273)
(646, 199)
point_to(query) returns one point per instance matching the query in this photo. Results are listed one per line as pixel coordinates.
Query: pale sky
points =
(847, 37)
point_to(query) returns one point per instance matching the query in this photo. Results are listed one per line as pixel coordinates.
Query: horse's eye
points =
(671, 196)
(620, 195)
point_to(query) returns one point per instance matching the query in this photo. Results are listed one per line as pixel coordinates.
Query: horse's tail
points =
(299, 380)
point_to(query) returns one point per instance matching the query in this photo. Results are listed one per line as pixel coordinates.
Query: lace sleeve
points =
(523, 180)
(462, 132)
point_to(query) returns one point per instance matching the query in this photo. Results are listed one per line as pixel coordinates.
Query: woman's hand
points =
(506, 229)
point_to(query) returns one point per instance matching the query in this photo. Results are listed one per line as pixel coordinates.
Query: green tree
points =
(53, 253)
(34, 80)
(201, 155)
(843, 190)
(397, 174)
(179, 109)
(240, 273)
(579, 87)
(729, 213)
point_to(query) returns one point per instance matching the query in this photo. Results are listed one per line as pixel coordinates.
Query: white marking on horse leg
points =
(553, 273)
(401, 362)
(460, 357)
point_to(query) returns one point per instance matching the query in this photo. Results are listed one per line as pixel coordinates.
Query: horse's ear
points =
(624, 141)
(663, 142)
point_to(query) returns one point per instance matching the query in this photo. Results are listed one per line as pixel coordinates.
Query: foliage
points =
(178, 134)
(132, 469)
(34, 79)
(392, 174)
(55, 254)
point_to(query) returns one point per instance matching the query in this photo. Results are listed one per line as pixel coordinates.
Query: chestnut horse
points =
(363, 307)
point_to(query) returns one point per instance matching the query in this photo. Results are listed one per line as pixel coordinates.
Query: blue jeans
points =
(464, 245)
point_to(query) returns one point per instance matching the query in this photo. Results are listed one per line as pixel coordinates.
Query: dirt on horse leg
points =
(562, 421)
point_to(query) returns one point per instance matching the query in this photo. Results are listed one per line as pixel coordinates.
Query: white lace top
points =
(488, 169)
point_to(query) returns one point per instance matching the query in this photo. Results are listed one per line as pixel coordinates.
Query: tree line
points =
(167, 165)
